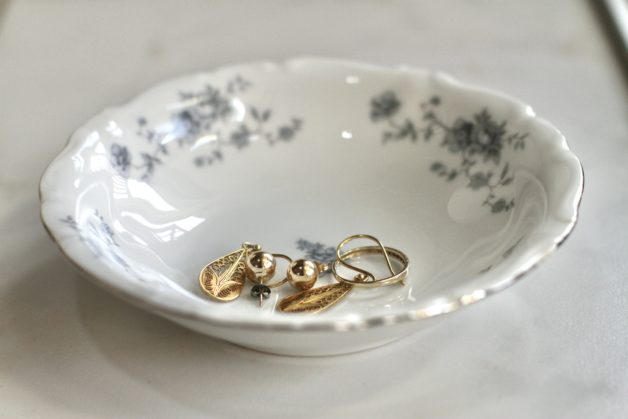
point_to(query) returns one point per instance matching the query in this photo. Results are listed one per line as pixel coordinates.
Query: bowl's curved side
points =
(563, 179)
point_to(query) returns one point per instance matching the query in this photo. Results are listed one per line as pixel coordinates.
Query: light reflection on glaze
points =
(168, 231)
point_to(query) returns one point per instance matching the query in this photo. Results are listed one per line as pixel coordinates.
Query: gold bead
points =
(260, 266)
(302, 274)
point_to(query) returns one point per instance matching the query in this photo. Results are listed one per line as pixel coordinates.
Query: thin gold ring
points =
(373, 282)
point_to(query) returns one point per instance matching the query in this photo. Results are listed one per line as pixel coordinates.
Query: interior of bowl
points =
(469, 184)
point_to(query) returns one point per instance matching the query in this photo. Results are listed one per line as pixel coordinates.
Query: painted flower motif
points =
(216, 103)
(384, 106)
(460, 136)
(285, 133)
(288, 132)
(492, 150)
(488, 137)
(316, 251)
(199, 161)
(120, 158)
(186, 124)
(499, 205)
(476, 140)
(434, 100)
(241, 137)
(479, 180)
(207, 111)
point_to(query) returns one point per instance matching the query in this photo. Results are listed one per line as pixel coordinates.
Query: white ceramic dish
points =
(295, 156)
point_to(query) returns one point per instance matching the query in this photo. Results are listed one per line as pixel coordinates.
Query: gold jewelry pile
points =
(224, 279)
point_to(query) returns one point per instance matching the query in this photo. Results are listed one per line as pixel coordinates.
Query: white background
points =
(554, 346)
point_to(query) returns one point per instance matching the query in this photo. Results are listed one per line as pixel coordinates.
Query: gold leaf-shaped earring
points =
(224, 278)
(315, 299)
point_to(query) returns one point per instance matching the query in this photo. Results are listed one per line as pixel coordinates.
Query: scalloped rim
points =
(162, 304)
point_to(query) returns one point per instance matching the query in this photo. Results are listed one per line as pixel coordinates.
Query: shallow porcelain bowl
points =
(296, 156)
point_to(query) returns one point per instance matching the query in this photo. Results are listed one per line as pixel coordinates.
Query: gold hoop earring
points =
(315, 300)
(364, 278)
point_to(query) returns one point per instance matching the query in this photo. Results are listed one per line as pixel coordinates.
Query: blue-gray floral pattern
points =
(476, 139)
(505, 255)
(207, 109)
(316, 251)
(100, 238)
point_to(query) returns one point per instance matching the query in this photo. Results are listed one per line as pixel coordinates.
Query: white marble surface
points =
(552, 346)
